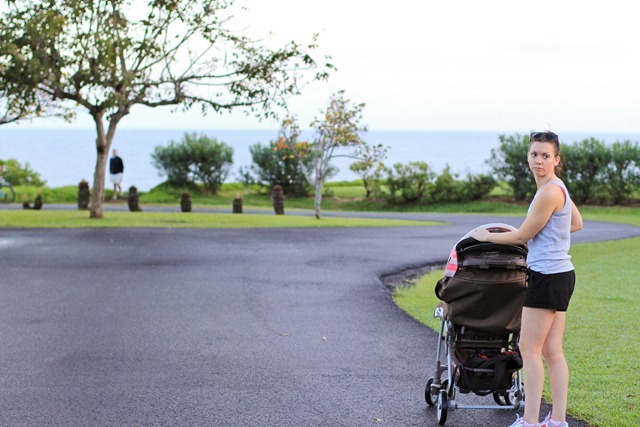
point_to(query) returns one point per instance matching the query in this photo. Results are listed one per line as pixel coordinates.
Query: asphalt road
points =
(266, 327)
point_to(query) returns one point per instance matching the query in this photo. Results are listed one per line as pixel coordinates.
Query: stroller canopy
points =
(484, 283)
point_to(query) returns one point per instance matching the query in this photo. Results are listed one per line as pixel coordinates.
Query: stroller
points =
(482, 292)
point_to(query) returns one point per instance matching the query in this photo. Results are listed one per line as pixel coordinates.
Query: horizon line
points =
(511, 131)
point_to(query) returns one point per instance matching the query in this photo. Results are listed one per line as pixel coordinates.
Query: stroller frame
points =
(442, 388)
(442, 393)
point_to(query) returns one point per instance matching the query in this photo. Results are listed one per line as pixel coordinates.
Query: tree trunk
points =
(318, 197)
(103, 144)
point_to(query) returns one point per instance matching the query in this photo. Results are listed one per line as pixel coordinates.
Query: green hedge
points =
(593, 171)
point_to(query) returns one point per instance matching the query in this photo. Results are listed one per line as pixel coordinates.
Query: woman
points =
(552, 216)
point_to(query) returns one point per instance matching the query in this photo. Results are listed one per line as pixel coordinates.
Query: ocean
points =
(67, 156)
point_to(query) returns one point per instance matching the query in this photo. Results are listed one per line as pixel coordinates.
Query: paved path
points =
(267, 327)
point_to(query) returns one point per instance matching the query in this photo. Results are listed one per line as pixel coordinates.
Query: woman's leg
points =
(557, 366)
(536, 323)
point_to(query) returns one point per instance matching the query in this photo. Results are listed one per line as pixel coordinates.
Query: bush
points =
(414, 183)
(276, 165)
(593, 171)
(408, 183)
(477, 187)
(446, 188)
(623, 171)
(585, 165)
(509, 163)
(196, 159)
(16, 174)
(368, 172)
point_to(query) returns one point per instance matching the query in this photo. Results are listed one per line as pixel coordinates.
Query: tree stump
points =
(84, 195)
(278, 199)
(237, 204)
(37, 203)
(134, 204)
(185, 202)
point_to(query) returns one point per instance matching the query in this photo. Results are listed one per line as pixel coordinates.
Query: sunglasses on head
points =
(543, 136)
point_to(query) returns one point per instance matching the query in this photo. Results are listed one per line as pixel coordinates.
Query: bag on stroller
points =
(482, 293)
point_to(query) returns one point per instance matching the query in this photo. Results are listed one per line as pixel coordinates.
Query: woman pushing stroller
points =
(552, 216)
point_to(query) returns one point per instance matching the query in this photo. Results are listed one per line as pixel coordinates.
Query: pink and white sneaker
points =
(520, 422)
(548, 422)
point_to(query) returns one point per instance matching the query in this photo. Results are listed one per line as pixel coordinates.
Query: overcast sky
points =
(453, 65)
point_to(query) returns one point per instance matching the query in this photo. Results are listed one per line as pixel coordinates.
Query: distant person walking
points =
(552, 217)
(116, 169)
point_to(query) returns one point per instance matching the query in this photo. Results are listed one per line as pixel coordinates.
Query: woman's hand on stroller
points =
(480, 234)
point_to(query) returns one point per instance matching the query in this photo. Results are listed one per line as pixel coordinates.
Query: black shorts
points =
(551, 291)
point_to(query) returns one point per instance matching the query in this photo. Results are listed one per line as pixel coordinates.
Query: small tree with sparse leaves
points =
(338, 129)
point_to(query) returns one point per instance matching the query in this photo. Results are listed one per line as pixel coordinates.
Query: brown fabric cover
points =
(485, 299)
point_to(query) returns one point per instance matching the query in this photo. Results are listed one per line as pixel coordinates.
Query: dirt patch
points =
(407, 277)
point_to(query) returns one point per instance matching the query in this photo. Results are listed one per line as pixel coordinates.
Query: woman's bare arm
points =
(576, 218)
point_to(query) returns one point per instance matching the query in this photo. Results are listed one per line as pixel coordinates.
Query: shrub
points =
(196, 159)
(623, 171)
(446, 188)
(276, 165)
(173, 162)
(409, 182)
(509, 163)
(367, 172)
(475, 187)
(16, 174)
(592, 171)
(585, 165)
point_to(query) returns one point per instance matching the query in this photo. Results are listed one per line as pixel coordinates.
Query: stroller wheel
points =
(517, 398)
(430, 394)
(501, 398)
(510, 398)
(445, 387)
(443, 407)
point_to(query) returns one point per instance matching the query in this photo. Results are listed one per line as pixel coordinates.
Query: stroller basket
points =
(485, 363)
(487, 371)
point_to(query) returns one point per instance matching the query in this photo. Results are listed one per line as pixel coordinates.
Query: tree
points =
(20, 102)
(107, 56)
(10, 110)
(15, 103)
(339, 128)
(16, 174)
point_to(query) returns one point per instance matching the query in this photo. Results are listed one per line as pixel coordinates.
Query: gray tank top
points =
(549, 249)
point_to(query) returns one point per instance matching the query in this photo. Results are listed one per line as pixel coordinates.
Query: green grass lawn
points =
(602, 334)
(80, 219)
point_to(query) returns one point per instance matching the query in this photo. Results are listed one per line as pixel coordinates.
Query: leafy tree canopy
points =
(106, 56)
